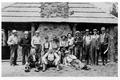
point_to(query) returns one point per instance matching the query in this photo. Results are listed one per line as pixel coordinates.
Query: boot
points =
(44, 67)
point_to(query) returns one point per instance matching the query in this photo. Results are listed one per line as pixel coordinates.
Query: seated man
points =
(71, 60)
(50, 58)
(33, 62)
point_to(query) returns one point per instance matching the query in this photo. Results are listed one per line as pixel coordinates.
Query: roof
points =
(30, 12)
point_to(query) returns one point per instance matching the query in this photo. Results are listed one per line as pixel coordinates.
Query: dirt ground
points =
(111, 69)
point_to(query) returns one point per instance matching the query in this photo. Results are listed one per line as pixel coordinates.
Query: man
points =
(104, 38)
(46, 45)
(51, 57)
(95, 47)
(36, 44)
(26, 44)
(70, 42)
(86, 44)
(32, 62)
(78, 45)
(71, 60)
(13, 43)
(63, 47)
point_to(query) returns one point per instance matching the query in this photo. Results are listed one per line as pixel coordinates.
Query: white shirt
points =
(71, 41)
(35, 40)
(64, 43)
(87, 39)
(102, 36)
(95, 37)
(12, 40)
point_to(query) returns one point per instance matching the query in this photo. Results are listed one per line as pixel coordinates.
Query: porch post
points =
(32, 29)
(74, 29)
(112, 45)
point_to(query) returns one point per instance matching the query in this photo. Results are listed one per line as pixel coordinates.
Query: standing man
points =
(36, 44)
(95, 47)
(25, 43)
(78, 45)
(13, 43)
(46, 45)
(86, 44)
(104, 38)
(70, 42)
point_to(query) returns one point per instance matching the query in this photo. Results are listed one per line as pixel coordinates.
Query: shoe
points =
(37, 70)
(43, 70)
(27, 70)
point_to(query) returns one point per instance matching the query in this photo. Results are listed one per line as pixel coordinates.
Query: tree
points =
(114, 9)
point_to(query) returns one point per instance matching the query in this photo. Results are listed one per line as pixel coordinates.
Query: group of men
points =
(67, 50)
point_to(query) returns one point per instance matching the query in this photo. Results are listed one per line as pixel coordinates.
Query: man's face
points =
(15, 33)
(63, 38)
(87, 33)
(103, 31)
(46, 40)
(26, 35)
(69, 35)
(37, 34)
(95, 32)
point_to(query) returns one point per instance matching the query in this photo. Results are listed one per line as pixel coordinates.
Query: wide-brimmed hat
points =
(36, 31)
(26, 32)
(87, 30)
(14, 31)
(94, 29)
(77, 32)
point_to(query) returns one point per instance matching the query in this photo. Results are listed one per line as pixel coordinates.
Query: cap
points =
(87, 30)
(103, 28)
(36, 31)
(46, 37)
(77, 32)
(63, 36)
(26, 32)
(14, 31)
(94, 29)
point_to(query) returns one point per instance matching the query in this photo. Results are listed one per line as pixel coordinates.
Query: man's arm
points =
(10, 41)
(32, 42)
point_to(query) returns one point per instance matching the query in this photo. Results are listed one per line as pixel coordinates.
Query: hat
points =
(63, 36)
(87, 30)
(46, 37)
(36, 31)
(94, 29)
(103, 28)
(26, 32)
(77, 32)
(14, 31)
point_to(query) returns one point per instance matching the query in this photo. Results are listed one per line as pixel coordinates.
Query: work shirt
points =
(63, 43)
(87, 39)
(25, 42)
(94, 40)
(78, 40)
(12, 40)
(70, 41)
(104, 38)
(35, 40)
(53, 45)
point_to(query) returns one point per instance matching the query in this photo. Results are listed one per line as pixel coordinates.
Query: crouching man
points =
(32, 62)
(51, 57)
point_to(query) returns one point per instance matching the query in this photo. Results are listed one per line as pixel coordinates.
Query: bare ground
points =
(111, 69)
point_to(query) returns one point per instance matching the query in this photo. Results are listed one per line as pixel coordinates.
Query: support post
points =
(74, 29)
(32, 29)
